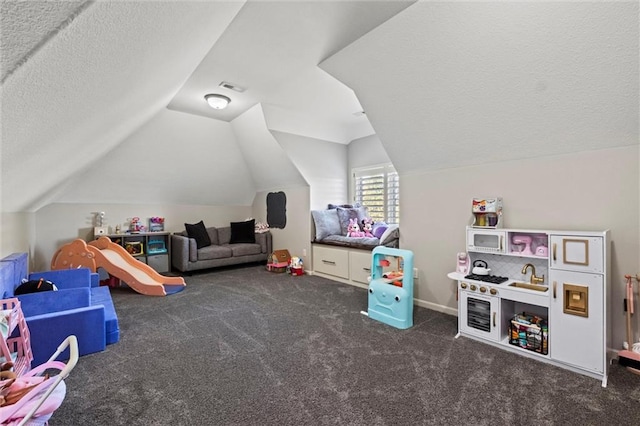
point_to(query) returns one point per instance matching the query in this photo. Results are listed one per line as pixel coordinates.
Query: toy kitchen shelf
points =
(508, 242)
(152, 248)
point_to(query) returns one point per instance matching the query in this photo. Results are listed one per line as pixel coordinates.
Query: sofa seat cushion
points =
(244, 249)
(214, 252)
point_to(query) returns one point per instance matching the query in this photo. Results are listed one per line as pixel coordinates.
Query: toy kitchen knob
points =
(493, 291)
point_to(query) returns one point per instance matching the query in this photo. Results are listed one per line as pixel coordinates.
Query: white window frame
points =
(386, 169)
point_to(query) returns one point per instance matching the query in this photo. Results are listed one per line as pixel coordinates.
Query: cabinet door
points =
(576, 319)
(360, 266)
(577, 253)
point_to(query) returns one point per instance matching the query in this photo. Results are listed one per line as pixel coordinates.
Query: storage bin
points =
(529, 332)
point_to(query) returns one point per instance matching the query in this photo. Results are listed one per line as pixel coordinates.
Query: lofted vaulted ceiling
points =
(82, 78)
(87, 85)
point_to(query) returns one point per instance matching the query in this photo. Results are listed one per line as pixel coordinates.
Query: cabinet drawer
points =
(331, 261)
(360, 266)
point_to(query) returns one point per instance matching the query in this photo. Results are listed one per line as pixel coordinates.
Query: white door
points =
(577, 253)
(576, 319)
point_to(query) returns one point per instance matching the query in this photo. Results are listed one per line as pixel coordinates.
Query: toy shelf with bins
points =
(152, 248)
(15, 348)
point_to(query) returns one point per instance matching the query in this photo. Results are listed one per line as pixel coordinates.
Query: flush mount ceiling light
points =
(216, 101)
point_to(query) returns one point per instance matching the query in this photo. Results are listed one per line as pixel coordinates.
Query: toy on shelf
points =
(135, 226)
(487, 212)
(390, 288)
(156, 224)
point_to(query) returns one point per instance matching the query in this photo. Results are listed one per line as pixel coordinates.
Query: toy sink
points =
(528, 286)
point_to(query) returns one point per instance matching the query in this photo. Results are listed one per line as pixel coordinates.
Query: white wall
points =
(367, 151)
(295, 235)
(268, 165)
(17, 233)
(323, 165)
(175, 158)
(363, 152)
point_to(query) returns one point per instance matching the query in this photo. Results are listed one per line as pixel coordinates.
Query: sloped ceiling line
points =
(25, 28)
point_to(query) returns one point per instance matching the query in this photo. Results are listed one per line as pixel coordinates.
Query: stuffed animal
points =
(353, 230)
(367, 226)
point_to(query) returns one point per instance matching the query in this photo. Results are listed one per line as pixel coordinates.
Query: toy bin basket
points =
(529, 332)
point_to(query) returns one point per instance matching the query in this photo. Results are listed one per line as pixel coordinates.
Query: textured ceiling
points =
(457, 84)
(272, 49)
(25, 26)
(79, 78)
(102, 76)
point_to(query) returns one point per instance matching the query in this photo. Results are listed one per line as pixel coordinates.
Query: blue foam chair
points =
(79, 308)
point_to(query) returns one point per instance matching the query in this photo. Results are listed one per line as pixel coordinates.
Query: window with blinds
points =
(378, 188)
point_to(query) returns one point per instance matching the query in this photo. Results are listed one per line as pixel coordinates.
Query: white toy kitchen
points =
(542, 294)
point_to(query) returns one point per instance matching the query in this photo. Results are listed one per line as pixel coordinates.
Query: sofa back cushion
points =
(213, 235)
(224, 235)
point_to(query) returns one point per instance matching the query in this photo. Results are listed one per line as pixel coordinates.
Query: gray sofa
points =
(185, 256)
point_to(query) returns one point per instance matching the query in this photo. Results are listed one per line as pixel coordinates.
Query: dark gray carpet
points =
(244, 346)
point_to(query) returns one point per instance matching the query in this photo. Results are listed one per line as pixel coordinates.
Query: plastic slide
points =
(102, 253)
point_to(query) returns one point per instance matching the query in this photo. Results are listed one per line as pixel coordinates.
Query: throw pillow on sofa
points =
(198, 232)
(243, 232)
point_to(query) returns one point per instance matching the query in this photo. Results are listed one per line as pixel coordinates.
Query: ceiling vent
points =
(232, 86)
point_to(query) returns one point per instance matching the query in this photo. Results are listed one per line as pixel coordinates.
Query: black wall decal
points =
(277, 209)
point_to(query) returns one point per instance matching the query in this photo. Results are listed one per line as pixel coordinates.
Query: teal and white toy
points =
(391, 287)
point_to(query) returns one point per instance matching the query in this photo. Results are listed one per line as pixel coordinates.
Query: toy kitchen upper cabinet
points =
(579, 286)
(582, 253)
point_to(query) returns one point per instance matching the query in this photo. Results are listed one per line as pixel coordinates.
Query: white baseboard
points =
(419, 302)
